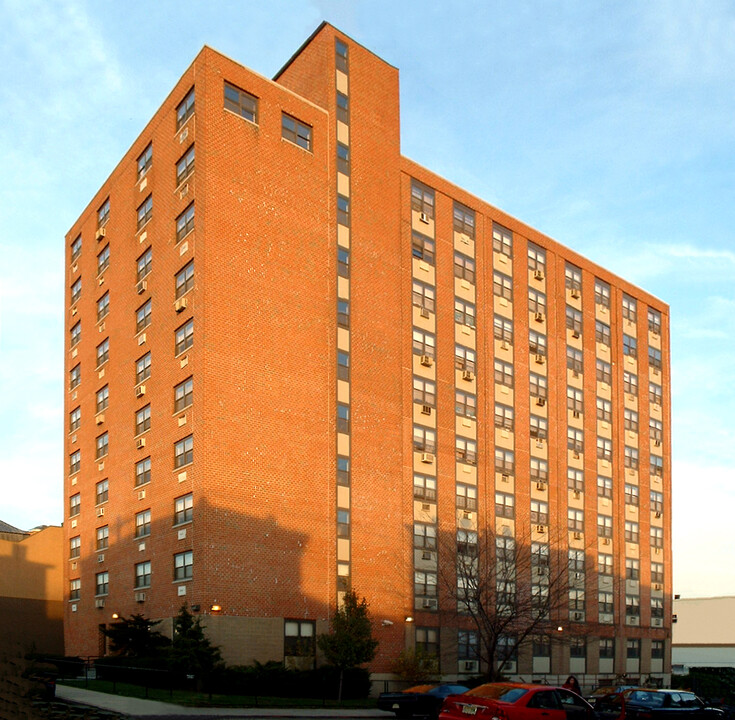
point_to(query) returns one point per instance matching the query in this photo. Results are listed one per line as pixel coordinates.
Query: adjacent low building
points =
(703, 634)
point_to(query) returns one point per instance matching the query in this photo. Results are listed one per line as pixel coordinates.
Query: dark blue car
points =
(424, 700)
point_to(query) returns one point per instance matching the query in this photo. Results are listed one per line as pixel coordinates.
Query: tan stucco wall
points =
(704, 621)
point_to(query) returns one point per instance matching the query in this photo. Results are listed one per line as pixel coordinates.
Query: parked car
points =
(601, 692)
(517, 701)
(419, 700)
(644, 704)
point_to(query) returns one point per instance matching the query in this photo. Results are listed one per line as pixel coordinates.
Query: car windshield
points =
(494, 691)
(650, 699)
(419, 689)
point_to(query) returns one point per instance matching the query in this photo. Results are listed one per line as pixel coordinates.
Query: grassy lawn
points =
(195, 699)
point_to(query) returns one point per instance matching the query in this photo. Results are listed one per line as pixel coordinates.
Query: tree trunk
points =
(341, 676)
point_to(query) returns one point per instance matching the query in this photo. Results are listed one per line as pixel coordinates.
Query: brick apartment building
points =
(296, 360)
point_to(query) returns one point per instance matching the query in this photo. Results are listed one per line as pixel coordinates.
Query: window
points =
(343, 313)
(607, 648)
(573, 279)
(241, 103)
(102, 446)
(143, 420)
(424, 439)
(464, 313)
(575, 361)
(103, 306)
(142, 472)
(536, 302)
(632, 569)
(576, 601)
(75, 419)
(503, 329)
(75, 461)
(574, 321)
(630, 309)
(102, 583)
(422, 247)
(654, 321)
(606, 607)
(343, 523)
(341, 55)
(183, 395)
(631, 494)
(422, 199)
(539, 470)
(632, 605)
(630, 383)
(184, 337)
(655, 393)
(185, 110)
(538, 427)
(575, 480)
(76, 249)
(183, 565)
(502, 240)
(424, 296)
(575, 400)
(631, 457)
(143, 316)
(630, 420)
(343, 418)
(630, 346)
(185, 166)
(465, 450)
(343, 158)
(503, 373)
(144, 264)
(657, 572)
(145, 160)
(464, 267)
(631, 531)
(505, 598)
(504, 461)
(465, 404)
(424, 584)
(575, 560)
(103, 214)
(575, 440)
(657, 537)
(466, 497)
(539, 512)
(184, 452)
(466, 544)
(102, 540)
(578, 647)
(424, 536)
(343, 108)
(103, 352)
(102, 492)
(604, 372)
(76, 290)
(604, 449)
(183, 509)
(656, 466)
(343, 470)
(427, 641)
(537, 386)
(467, 645)
(464, 221)
(143, 574)
(296, 131)
(536, 258)
(602, 293)
(575, 520)
(143, 524)
(185, 223)
(539, 555)
(604, 526)
(142, 368)
(504, 416)
(464, 358)
(605, 563)
(145, 211)
(424, 487)
(536, 343)
(343, 365)
(654, 358)
(75, 377)
(299, 638)
(504, 505)
(424, 343)
(505, 551)
(602, 333)
(604, 410)
(76, 334)
(604, 486)
(343, 262)
(502, 285)
(75, 547)
(657, 646)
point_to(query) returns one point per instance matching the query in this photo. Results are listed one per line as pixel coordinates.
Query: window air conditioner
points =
(141, 287)
(540, 486)
(99, 419)
(427, 457)
(575, 293)
(424, 218)
(427, 360)
(181, 304)
(575, 333)
(426, 409)
(539, 317)
(540, 401)
(540, 359)
(540, 529)
(577, 615)
(504, 345)
(424, 312)
(538, 274)
(140, 443)
(605, 541)
(468, 375)
(140, 597)
(470, 666)
(577, 535)
(99, 602)
(100, 234)
(100, 511)
(140, 391)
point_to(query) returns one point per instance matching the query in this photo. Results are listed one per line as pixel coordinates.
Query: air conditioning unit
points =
(577, 535)
(657, 443)
(424, 218)
(140, 597)
(658, 514)
(575, 333)
(467, 515)
(539, 359)
(427, 457)
(427, 360)
(538, 317)
(140, 391)
(577, 494)
(424, 312)
(468, 375)
(657, 622)
(426, 555)
(540, 528)
(470, 666)
(540, 401)
(657, 586)
(575, 413)
(538, 274)
(426, 409)
(181, 304)
(141, 494)
(429, 604)
(655, 371)
(575, 455)
(539, 443)
(657, 551)
(141, 287)
(605, 541)
(100, 234)
(578, 616)
(99, 602)
(101, 558)
(100, 511)
(575, 293)
(140, 443)
(425, 507)
(99, 419)
(505, 478)
(541, 486)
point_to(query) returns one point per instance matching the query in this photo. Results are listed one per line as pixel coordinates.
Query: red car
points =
(516, 701)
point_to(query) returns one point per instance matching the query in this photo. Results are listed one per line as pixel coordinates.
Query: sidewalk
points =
(139, 708)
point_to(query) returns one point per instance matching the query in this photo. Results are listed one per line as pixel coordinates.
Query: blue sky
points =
(608, 126)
